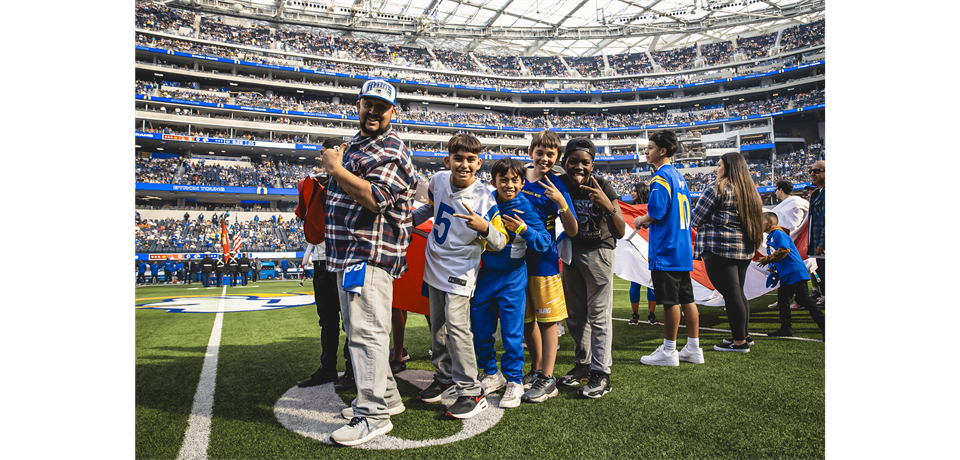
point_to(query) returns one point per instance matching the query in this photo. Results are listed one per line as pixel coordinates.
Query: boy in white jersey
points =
(466, 221)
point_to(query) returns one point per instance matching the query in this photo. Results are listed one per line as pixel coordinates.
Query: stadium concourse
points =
(234, 100)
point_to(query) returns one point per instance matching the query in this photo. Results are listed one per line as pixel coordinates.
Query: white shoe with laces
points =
(491, 382)
(659, 357)
(511, 396)
(359, 431)
(691, 355)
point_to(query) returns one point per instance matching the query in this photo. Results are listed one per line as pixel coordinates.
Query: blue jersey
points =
(154, 268)
(671, 242)
(546, 263)
(792, 270)
(168, 266)
(142, 267)
(534, 236)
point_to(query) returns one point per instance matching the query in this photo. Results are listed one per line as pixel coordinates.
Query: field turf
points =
(769, 403)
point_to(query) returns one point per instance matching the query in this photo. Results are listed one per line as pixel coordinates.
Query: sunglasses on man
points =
(817, 171)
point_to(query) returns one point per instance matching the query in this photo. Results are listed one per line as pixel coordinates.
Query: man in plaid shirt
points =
(368, 214)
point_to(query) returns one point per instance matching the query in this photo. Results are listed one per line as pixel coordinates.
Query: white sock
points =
(693, 343)
(669, 345)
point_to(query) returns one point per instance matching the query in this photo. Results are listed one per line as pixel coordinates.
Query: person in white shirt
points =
(792, 210)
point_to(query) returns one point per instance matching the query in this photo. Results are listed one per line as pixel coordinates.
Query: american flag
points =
(237, 242)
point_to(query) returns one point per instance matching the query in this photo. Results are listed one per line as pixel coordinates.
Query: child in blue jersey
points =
(545, 302)
(502, 285)
(466, 222)
(793, 275)
(670, 253)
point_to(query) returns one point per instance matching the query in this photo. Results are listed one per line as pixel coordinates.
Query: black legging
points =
(728, 276)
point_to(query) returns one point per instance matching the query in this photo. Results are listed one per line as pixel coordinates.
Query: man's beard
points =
(384, 127)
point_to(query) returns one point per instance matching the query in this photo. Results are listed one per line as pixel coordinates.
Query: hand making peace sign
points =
(513, 223)
(474, 221)
(597, 197)
(553, 193)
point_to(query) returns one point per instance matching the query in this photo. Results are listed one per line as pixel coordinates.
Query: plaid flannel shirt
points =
(818, 213)
(718, 225)
(355, 234)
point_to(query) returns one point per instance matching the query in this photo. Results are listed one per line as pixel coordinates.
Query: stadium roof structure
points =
(570, 28)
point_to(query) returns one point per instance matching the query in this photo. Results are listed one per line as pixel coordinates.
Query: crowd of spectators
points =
(312, 42)
(191, 235)
(803, 35)
(277, 174)
(603, 120)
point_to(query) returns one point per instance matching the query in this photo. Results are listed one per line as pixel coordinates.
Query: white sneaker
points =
(491, 382)
(691, 355)
(774, 306)
(511, 396)
(359, 431)
(659, 357)
(822, 300)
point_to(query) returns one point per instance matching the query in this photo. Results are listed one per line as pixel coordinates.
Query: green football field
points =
(769, 403)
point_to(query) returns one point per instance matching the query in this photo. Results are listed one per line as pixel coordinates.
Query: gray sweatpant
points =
(452, 341)
(588, 289)
(366, 319)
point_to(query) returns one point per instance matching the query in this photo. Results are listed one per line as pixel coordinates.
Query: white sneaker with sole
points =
(359, 431)
(774, 306)
(491, 382)
(659, 357)
(511, 396)
(691, 355)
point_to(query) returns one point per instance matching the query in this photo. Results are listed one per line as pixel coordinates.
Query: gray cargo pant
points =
(588, 289)
(452, 341)
(366, 319)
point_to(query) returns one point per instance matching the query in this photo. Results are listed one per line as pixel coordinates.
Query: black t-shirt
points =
(592, 227)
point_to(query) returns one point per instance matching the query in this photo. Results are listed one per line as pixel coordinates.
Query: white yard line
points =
(197, 437)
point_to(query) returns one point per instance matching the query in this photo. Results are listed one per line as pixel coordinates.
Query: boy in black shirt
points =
(588, 274)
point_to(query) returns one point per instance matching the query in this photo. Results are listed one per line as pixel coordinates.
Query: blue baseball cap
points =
(380, 90)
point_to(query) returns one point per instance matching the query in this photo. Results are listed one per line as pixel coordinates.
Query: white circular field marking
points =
(314, 412)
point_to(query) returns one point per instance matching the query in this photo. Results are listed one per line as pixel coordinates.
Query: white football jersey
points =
(453, 250)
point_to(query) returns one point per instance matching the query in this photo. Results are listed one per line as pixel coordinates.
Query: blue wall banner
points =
(214, 189)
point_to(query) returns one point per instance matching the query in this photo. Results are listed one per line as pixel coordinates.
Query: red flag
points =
(224, 241)
(631, 212)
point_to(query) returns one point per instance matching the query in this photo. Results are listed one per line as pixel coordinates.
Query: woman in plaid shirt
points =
(729, 230)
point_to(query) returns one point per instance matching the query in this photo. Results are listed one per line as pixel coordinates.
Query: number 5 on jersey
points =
(441, 220)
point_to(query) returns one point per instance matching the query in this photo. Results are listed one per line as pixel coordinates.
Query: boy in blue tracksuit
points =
(792, 272)
(502, 284)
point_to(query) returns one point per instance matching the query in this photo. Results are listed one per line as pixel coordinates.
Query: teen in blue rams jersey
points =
(670, 253)
(545, 303)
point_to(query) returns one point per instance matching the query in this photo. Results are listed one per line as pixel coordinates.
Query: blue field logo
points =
(231, 303)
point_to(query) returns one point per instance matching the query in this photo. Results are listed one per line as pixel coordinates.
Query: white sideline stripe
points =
(197, 438)
(759, 334)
